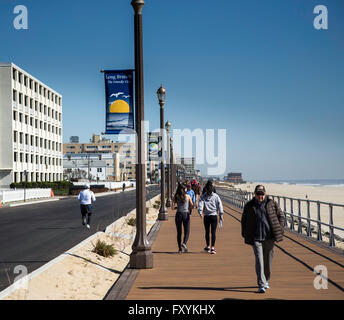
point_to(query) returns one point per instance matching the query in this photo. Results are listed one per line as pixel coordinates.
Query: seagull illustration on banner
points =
(126, 96)
(116, 94)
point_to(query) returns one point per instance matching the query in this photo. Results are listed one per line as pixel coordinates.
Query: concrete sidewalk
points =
(230, 274)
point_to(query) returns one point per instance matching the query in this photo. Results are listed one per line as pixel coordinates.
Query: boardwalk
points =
(230, 273)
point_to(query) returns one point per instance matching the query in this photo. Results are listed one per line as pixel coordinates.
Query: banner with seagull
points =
(119, 101)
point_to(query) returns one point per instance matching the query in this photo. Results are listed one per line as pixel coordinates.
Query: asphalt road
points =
(32, 235)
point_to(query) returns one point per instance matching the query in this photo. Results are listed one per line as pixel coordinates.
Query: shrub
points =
(132, 222)
(103, 249)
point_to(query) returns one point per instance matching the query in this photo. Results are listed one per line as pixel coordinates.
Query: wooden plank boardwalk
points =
(230, 274)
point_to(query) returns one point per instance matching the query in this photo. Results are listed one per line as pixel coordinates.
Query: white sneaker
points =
(266, 286)
(185, 247)
(261, 290)
(87, 226)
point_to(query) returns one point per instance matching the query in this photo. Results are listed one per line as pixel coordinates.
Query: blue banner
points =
(119, 101)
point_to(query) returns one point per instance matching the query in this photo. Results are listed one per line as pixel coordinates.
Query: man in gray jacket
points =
(210, 204)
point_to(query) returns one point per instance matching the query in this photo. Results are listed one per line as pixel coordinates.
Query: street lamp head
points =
(168, 125)
(137, 5)
(161, 94)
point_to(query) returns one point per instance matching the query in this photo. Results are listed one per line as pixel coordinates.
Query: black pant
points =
(210, 221)
(182, 218)
(86, 209)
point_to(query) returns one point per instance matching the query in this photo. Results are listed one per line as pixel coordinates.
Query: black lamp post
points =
(173, 173)
(163, 214)
(168, 165)
(141, 256)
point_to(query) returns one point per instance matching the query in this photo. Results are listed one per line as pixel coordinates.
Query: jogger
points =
(86, 197)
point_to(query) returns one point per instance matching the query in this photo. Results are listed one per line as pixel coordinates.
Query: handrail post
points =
(319, 237)
(332, 243)
(285, 212)
(292, 215)
(299, 229)
(309, 231)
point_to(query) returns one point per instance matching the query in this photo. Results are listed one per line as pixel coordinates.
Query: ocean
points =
(310, 182)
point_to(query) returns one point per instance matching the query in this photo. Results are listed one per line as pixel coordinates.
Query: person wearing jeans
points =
(209, 205)
(182, 218)
(262, 224)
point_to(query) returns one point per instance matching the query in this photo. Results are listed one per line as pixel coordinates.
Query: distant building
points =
(107, 148)
(234, 177)
(74, 139)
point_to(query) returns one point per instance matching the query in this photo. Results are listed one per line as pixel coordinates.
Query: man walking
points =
(262, 224)
(86, 197)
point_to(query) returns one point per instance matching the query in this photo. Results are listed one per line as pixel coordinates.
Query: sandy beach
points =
(82, 274)
(331, 194)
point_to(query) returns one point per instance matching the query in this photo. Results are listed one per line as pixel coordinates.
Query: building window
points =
(14, 95)
(36, 87)
(14, 115)
(20, 77)
(25, 81)
(15, 136)
(26, 119)
(15, 157)
(20, 117)
(20, 98)
(99, 170)
(14, 74)
(25, 101)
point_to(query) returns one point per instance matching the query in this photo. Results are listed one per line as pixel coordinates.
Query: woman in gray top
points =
(184, 206)
(209, 204)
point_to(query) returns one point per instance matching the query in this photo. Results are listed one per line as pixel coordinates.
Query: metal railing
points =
(238, 198)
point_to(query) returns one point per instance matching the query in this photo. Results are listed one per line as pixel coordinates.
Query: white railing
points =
(22, 194)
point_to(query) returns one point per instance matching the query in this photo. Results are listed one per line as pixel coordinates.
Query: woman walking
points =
(210, 203)
(184, 206)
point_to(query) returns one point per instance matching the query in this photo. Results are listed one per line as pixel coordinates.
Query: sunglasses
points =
(260, 193)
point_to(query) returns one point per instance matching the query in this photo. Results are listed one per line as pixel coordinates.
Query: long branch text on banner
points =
(119, 101)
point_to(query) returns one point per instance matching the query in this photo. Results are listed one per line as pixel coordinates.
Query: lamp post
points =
(173, 176)
(141, 256)
(168, 165)
(163, 215)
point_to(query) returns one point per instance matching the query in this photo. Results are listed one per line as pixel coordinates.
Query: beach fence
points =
(7, 196)
(316, 219)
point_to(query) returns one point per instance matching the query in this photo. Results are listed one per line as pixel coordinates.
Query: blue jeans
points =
(182, 218)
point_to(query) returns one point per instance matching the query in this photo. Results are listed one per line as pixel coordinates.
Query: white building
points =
(102, 166)
(30, 128)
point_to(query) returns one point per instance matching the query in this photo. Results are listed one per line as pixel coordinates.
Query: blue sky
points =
(258, 69)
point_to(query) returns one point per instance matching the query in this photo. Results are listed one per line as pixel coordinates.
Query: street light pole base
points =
(141, 260)
(168, 203)
(163, 214)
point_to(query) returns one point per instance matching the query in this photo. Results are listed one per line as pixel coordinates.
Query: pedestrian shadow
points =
(175, 252)
(97, 264)
(58, 228)
(233, 289)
